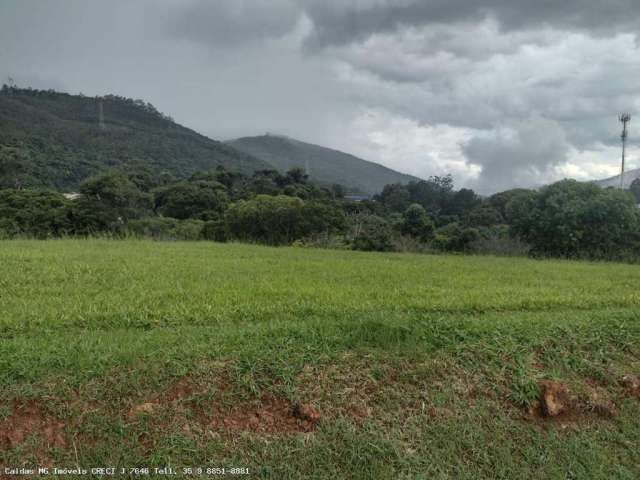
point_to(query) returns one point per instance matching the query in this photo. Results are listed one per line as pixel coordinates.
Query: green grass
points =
(421, 366)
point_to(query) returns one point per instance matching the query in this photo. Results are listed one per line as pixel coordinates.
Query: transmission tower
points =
(624, 118)
(101, 116)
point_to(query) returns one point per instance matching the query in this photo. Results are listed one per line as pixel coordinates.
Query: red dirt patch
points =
(308, 413)
(554, 398)
(632, 384)
(269, 416)
(28, 419)
(182, 389)
(600, 403)
(555, 405)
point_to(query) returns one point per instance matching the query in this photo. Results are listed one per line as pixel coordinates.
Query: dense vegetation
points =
(140, 174)
(325, 166)
(56, 140)
(567, 219)
(134, 353)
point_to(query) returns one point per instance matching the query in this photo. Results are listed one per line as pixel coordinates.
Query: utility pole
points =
(624, 118)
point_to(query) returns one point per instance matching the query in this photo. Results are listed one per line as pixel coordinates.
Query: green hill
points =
(51, 139)
(324, 164)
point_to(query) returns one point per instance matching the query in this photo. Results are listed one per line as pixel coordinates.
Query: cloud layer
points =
(500, 93)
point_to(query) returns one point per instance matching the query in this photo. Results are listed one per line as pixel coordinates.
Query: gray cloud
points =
(454, 85)
(338, 22)
(521, 154)
(224, 23)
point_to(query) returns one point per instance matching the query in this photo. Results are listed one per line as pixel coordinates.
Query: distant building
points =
(72, 196)
(357, 198)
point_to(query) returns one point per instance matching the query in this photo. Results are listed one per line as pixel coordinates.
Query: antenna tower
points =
(624, 118)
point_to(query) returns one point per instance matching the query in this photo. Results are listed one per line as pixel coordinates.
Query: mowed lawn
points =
(201, 355)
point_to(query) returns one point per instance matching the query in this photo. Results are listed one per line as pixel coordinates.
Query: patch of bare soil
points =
(600, 403)
(631, 383)
(554, 398)
(27, 419)
(268, 416)
(176, 393)
(556, 405)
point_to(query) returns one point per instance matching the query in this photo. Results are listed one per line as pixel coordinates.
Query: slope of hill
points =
(325, 165)
(56, 140)
(629, 177)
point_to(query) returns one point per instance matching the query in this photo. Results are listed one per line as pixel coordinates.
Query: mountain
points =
(629, 177)
(51, 139)
(324, 165)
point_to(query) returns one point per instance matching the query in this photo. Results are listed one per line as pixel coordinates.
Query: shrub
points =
(577, 220)
(417, 223)
(34, 213)
(215, 230)
(200, 199)
(280, 220)
(163, 228)
(408, 244)
(455, 238)
(497, 241)
(323, 240)
(372, 233)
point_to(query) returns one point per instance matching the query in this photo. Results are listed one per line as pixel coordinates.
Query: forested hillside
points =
(324, 165)
(630, 177)
(51, 139)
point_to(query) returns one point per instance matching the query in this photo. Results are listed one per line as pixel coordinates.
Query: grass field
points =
(133, 353)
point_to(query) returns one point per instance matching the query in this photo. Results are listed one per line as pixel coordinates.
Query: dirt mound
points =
(27, 419)
(556, 404)
(554, 398)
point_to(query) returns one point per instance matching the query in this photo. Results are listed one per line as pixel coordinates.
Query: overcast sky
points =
(499, 93)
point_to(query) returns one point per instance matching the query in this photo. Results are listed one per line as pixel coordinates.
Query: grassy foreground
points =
(139, 354)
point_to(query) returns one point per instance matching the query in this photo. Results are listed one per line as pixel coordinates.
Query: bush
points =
(165, 229)
(372, 233)
(215, 230)
(200, 199)
(280, 220)
(323, 240)
(417, 223)
(34, 213)
(484, 216)
(408, 244)
(499, 242)
(455, 238)
(577, 220)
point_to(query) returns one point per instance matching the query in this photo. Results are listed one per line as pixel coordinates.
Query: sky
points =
(497, 93)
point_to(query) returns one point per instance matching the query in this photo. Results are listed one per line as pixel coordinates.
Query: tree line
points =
(568, 219)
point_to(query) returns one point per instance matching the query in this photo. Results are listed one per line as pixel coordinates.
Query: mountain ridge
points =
(326, 165)
(629, 177)
(57, 140)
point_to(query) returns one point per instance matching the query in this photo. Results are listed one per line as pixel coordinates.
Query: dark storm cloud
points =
(338, 22)
(224, 23)
(501, 92)
(516, 155)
